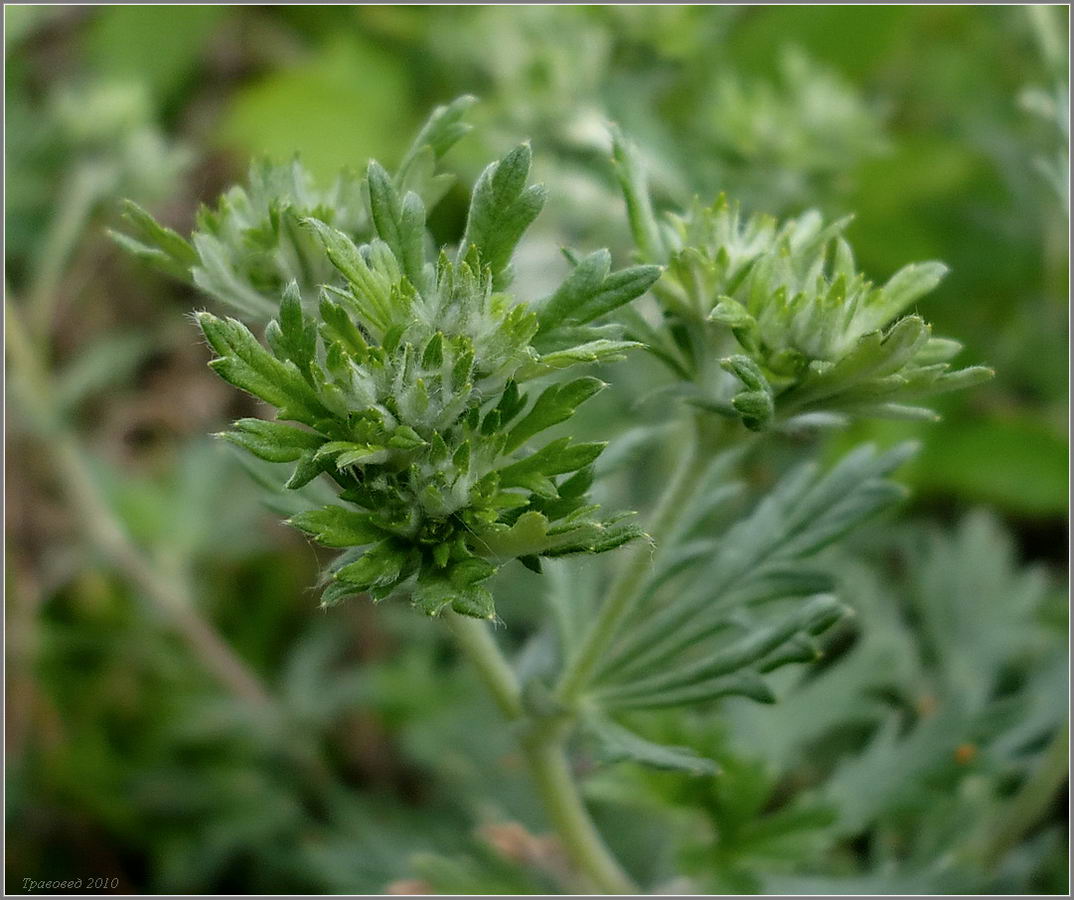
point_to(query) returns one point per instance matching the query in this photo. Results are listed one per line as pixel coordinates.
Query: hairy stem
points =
(543, 748)
(630, 582)
(103, 529)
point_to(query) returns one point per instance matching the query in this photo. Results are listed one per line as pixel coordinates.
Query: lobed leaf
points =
(335, 526)
(272, 441)
(501, 209)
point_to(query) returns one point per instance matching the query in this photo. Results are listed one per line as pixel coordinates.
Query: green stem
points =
(100, 523)
(630, 582)
(478, 644)
(543, 748)
(551, 774)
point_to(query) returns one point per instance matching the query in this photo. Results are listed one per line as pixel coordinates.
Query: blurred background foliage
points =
(181, 717)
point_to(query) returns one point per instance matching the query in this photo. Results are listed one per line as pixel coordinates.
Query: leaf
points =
(555, 458)
(598, 537)
(533, 535)
(292, 335)
(105, 362)
(443, 129)
(906, 286)
(759, 647)
(400, 224)
(433, 595)
(501, 209)
(618, 743)
(372, 297)
(310, 465)
(243, 362)
(591, 291)
(335, 526)
(350, 453)
(631, 173)
(556, 404)
(337, 326)
(595, 351)
(161, 247)
(756, 405)
(721, 581)
(381, 566)
(215, 274)
(272, 441)
(528, 536)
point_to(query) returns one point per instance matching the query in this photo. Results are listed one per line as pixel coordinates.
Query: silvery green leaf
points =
(617, 743)
(501, 209)
(592, 290)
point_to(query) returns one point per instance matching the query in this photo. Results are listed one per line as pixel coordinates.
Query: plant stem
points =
(543, 749)
(479, 645)
(551, 774)
(630, 582)
(100, 523)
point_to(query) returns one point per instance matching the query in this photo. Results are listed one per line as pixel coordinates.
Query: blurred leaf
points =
(337, 108)
(160, 49)
(1018, 463)
(107, 362)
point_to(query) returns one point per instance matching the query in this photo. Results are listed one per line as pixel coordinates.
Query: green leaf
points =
(272, 441)
(309, 467)
(756, 405)
(556, 404)
(441, 132)
(722, 580)
(243, 362)
(533, 535)
(596, 537)
(618, 743)
(433, 595)
(372, 297)
(400, 224)
(292, 335)
(474, 601)
(381, 566)
(601, 351)
(703, 676)
(591, 291)
(470, 571)
(161, 247)
(335, 526)
(501, 209)
(555, 458)
(631, 173)
(337, 326)
(350, 453)
(906, 286)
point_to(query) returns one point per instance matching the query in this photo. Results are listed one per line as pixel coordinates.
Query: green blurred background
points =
(944, 129)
